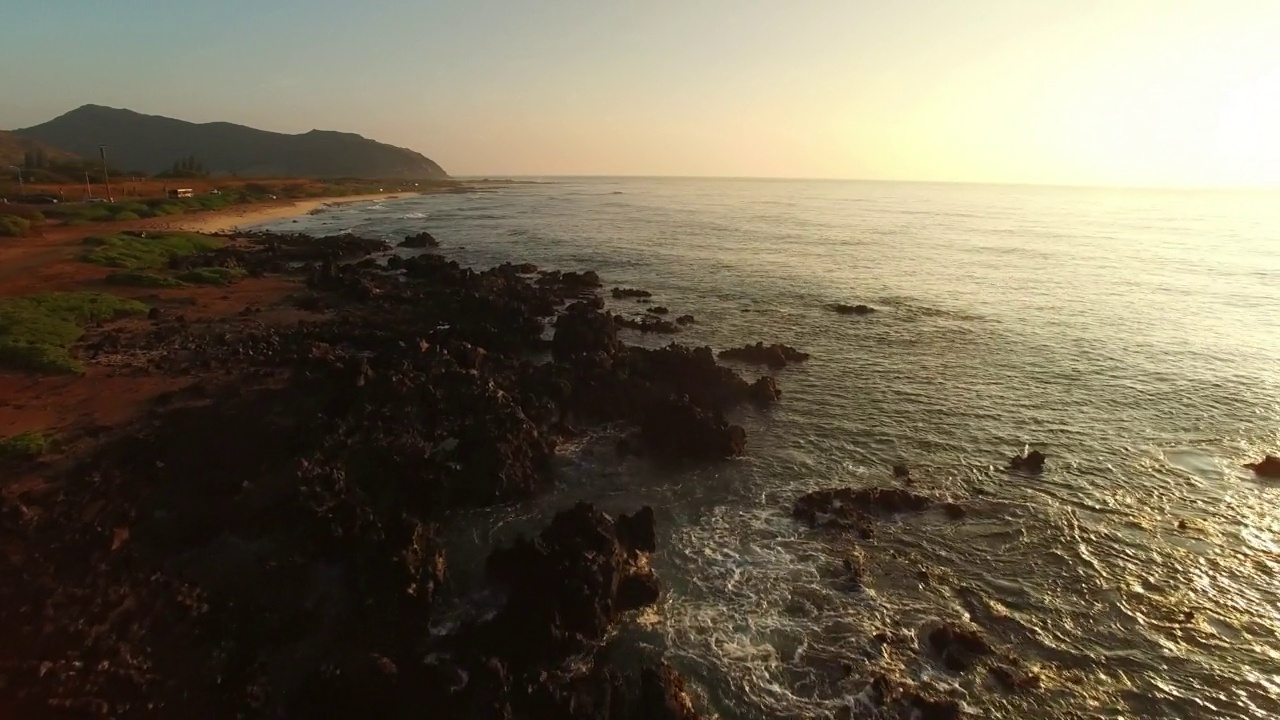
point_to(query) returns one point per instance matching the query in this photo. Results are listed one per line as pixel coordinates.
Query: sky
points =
(1148, 93)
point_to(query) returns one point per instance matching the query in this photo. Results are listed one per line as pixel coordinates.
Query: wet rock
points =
(931, 708)
(1268, 467)
(637, 591)
(395, 262)
(636, 532)
(658, 310)
(954, 511)
(775, 356)
(1030, 461)
(566, 589)
(663, 696)
(421, 240)
(685, 320)
(584, 331)
(891, 699)
(1015, 679)
(870, 500)
(854, 567)
(574, 284)
(901, 472)
(675, 428)
(959, 648)
(621, 292)
(765, 391)
(844, 309)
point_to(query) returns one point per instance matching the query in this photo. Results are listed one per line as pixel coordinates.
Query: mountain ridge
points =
(152, 143)
(14, 148)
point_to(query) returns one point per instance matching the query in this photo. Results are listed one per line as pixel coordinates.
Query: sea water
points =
(1133, 336)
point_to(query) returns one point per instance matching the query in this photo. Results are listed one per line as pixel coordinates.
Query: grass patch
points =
(126, 215)
(139, 278)
(37, 331)
(24, 446)
(128, 252)
(212, 276)
(13, 226)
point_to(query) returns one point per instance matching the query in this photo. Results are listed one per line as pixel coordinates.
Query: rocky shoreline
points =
(265, 541)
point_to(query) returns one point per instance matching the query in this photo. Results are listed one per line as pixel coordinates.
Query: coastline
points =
(201, 390)
(235, 218)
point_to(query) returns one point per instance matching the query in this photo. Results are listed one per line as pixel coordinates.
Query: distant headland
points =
(152, 144)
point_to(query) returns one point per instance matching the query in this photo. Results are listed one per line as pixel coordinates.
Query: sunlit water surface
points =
(1132, 335)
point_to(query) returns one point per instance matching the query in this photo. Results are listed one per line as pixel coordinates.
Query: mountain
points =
(14, 150)
(152, 143)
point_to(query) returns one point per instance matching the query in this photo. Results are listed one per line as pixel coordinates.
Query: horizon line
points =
(779, 178)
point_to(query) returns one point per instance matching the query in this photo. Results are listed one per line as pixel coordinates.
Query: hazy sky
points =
(1147, 92)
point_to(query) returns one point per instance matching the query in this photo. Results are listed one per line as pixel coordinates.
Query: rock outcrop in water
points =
(844, 309)
(676, 428)
(853, 509)
(1030, 461)
(566, 589)
(1268, 467)
(776, 356)
(958, 647)
(621, 292)
(765, 391)
(889, 699)
(423, 239)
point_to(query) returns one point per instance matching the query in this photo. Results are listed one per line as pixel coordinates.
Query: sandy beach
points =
(229, 219)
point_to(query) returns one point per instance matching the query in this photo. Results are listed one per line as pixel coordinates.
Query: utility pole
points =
(102, 149)
(88, 190)
(22, 189)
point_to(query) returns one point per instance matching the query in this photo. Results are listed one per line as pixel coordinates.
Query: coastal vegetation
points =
(13, 226)
(139, 278)
(37, 331)
(132, 252)
(24, 445)
(211, 276)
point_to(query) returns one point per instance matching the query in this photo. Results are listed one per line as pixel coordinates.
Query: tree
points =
(187, 167)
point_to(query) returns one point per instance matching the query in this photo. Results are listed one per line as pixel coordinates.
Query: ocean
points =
(1133, 336)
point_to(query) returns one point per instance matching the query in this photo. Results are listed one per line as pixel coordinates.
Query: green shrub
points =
(137, 278)
(126, 215)
(134, 253)
(212, 276)
(37, 331)
(23, 446)
(11, 226)
(31, 216)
